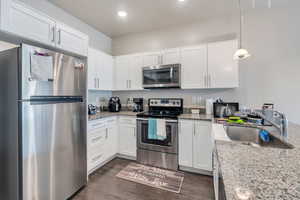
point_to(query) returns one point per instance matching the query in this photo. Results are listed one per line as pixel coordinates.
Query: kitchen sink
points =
(250, 136)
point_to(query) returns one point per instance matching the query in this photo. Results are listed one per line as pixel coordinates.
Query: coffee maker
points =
(138, 104)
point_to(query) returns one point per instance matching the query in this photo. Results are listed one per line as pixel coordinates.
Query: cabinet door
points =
(127, 140)
(202, 146)
(106, 72)
(122, 66)
(152, 59)
(186, 143)
(171, 56)
(29, 23)
(194, 67)
(92, 70)
(71, 40)
(112, 148)
(136, 72)
(222, 69)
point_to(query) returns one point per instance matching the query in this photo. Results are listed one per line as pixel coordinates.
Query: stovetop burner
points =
(163, 108)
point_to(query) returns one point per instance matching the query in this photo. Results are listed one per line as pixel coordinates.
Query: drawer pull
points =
(96, 139)
(96, 158)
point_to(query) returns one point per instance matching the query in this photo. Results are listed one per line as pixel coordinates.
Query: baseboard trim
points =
(126, 157)
(196, 171)
(102, 164)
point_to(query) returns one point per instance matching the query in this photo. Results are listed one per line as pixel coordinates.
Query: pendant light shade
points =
(241, 53)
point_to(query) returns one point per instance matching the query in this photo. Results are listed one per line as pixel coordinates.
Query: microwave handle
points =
(171, 72)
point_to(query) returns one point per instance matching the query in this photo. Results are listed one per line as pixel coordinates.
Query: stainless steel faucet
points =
(279, 121)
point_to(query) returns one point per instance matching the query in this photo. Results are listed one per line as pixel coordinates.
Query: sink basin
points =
(250, 136)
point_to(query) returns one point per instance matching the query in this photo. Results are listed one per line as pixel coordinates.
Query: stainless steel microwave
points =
(162, 76)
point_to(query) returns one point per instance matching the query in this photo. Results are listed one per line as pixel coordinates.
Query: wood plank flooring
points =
(104, 185)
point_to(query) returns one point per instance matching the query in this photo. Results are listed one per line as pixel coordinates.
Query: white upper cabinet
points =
(223, 71)
(121, 68)
(171, 56)
(71, 40)
(28, 23)
(136, 73)
(21, 20)
(100, 73)
(165, 57)
(128, 72)
(152, 59)
(194, 67)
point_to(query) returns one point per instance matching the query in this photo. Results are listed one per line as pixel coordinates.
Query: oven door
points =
(162, 76)
(169, 145)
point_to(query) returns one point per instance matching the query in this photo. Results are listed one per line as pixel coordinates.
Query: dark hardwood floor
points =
(104, 185)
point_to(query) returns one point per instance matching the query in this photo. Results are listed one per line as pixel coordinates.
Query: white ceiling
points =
(146, 15)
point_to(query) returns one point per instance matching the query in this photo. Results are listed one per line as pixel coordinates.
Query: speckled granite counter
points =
(130, 113)
(270, 174)
(196, 117)
(111, 114)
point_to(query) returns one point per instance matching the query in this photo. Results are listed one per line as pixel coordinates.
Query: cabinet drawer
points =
(96, 159)
(97, 137)
(96, 124)
(112, 121)
(128, 120)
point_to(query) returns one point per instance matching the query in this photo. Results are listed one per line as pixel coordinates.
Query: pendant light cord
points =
(240, 9)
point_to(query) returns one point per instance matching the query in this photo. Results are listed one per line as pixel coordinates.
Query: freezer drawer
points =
(53, 149)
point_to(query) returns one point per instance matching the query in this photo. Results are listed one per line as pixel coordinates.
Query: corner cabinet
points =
(195, 146)
(100, 72)
(20, 19)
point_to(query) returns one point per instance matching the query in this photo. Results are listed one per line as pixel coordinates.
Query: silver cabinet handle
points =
(53, 34)
(205, 81)
(59, 36)
(209, 80)
(130, 84)
(106, 134)
(134, 132)
(95, 82)
(96, 139)
(98, 83)
(96, 158)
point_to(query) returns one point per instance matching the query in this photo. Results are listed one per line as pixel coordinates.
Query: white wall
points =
(272, 74)
(97, 39)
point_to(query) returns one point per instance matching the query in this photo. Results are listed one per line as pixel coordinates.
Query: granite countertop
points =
(130, 113)
(111, 114)
(203, 117)
(269, 173)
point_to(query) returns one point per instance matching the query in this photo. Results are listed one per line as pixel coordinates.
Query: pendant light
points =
(241, 53)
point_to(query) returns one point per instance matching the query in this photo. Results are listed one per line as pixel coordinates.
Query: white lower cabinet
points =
(195, 145)
(127, 136)
(102, 142)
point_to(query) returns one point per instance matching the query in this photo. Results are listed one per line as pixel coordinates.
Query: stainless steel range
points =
(158, 152)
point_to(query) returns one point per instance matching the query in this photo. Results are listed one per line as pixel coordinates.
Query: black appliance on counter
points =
(92, 109)
(114, 104)
(138, 105)
(225, 109)
(156, 152)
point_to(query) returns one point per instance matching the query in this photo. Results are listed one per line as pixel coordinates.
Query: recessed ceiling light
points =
(122, 13)
(181, 0)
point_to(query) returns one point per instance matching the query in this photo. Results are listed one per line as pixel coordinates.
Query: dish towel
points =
(152, 129)
(161, 129)
(41, 67)
(157, 129)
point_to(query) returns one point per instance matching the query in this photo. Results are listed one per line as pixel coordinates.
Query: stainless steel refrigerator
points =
(43, 124)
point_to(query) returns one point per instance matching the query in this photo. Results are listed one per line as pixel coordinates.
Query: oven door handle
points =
(171, 121)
